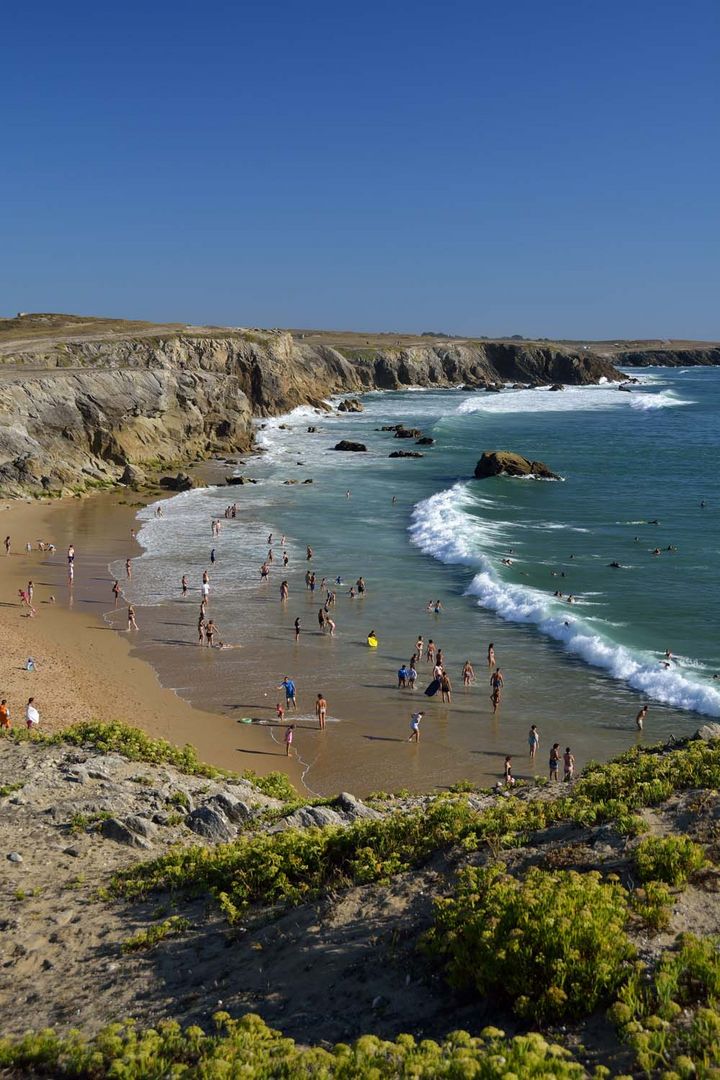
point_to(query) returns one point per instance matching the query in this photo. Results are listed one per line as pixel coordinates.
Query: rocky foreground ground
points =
(325, 962)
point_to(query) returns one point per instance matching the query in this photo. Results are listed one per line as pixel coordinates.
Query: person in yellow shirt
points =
(5, 724)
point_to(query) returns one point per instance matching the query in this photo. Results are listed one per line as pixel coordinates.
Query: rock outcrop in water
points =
(505, 463)
(80, 399)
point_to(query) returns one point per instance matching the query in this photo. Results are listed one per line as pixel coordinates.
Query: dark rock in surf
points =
(405, 453)
(556, 386)
(181, 482)
(425, 441)
(505, 463)
(353, 447)
(402, 432)
(351, 405)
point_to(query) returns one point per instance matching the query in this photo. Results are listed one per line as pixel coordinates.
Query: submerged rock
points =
(354, 447)
(506, 463)
(405, 453)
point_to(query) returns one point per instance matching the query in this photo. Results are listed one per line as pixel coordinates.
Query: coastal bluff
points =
(82, 398)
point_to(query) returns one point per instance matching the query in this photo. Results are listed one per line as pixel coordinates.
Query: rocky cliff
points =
(76, 409)
(701, 357)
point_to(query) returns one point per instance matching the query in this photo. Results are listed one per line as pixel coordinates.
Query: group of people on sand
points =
(290, 690)
(568, 760)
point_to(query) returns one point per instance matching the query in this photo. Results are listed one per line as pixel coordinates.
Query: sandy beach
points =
(84, 670)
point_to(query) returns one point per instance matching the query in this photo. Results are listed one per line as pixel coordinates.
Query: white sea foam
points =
(441, 527)
(571, 399)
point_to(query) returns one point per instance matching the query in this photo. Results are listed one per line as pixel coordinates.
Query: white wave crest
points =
(440, 527)
(571, 399)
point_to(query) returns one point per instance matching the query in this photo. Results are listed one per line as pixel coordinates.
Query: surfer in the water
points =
(496, 687)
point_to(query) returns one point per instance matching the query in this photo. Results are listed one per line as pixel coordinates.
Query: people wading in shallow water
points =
(445, 688)
(468, 673)
(640, 718)
(491, 656)
(321, 711)
(496, 687)
(533, 741)
(132, 623)
(116, 591)
(284, 590)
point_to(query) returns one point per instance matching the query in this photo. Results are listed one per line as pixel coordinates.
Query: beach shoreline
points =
(85, 671)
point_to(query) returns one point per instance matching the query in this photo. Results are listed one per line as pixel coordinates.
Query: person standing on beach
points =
(205, 589)
(533, 741)
(7, 545)
(32, 716)
(496, 688)
(468, 673)
(297, 628)
(640, 718)
(212, 556)
(116, 591)
(568, 765)
(509, 778)
(321, 711)
(420, 647)
(289, 739)
(411, 677)
(445, 688)
(491, 656)
(210, 632)
(132, 624)
(70, 554)
(201, 628)
(184, 584)
(284, 590)
(415, 726)
(430, 654)
(290, 692)
(554, 761)
(30, 592)
(128, 568)
(5, 724)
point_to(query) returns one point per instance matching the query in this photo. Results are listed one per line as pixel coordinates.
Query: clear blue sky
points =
(545, 168)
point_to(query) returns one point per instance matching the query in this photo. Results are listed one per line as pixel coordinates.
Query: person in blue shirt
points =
(289, 687)
(402, 676)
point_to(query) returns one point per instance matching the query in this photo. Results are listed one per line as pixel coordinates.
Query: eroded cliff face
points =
(76, 412)
(707, 357)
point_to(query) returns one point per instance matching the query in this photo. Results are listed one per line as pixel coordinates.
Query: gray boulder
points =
(114, 829)
(181, 482)
(233, 808)
(132, 476)
(212, 824)
(505, 463)
(351, 405)
(708, 732)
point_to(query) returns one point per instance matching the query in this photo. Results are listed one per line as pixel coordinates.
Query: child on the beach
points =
(415, 726)
(289, 739)
(280, 710)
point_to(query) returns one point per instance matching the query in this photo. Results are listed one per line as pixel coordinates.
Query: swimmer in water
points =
(640, 718)
(496, 687)
(184, 584)
(491, 656)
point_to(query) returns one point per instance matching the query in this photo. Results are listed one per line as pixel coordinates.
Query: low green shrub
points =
(652, 905)
(275, 785)
(248, 1048)
(671, 1021)
(553, 944)
(148, 939)
(672, 859)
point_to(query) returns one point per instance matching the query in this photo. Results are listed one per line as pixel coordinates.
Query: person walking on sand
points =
(533, 741)
(184, 584)
(290, 692)
(210, 632)
(411, 676)
(554, 761)
(640, 718)
(491, 656)
(32, 716)
(284, 590)
(297, 628)
(415, 726)
(496, 688)
(290, 732)
(321, 711)
(128, 568)
(116, 591)
(132, 623)
(30, 591)
(468, 673)
(201, 629)
(445, 688)
(5, 724)
(71, 554)
(568, 765)
(7, 545)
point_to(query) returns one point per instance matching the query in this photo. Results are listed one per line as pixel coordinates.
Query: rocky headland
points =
(81, 399)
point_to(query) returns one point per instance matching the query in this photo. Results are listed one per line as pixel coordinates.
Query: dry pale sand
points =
(85, 670)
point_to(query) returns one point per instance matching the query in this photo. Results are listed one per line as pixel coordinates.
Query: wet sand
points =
(84, 669)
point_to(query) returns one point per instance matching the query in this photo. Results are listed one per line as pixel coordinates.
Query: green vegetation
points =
(147, 939)
(296, 865)
(275, 785)
(671, 1021)
(672, 859)
(248, 1048)
(554, 944)
(10, 789)
(79, 822)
